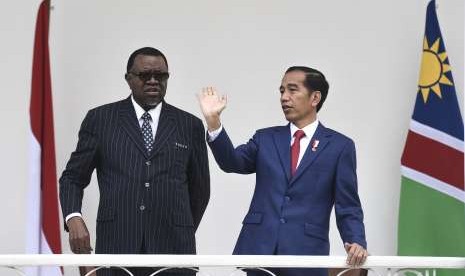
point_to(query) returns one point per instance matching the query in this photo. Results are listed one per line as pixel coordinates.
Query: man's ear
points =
(316, 97)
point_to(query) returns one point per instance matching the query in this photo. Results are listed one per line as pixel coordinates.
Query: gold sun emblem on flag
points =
(433, 69)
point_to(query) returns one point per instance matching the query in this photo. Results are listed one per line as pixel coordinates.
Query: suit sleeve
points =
(79, 168)
(348, 209)
(198, 174)
(241, 159)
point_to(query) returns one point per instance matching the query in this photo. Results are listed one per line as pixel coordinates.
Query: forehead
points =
(293, 77)
(144, 62)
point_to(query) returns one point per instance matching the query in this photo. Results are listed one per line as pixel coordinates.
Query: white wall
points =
(369, 50)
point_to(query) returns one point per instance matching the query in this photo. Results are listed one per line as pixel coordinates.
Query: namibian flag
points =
(432, 210)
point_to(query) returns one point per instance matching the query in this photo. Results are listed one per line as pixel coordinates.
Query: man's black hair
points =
(146, 51)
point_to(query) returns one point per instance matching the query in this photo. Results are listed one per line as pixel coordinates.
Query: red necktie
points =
(295, 150)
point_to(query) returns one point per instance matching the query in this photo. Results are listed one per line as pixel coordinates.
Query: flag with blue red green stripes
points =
(432, 210)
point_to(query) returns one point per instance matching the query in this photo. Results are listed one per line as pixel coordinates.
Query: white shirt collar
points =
(308, 129)
(154, 112)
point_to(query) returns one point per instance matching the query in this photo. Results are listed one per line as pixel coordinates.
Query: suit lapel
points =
(282, 141)
(166, 126)
(128, 119)
(311, 153)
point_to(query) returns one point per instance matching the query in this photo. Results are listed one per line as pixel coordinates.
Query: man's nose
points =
(284, 97)
(152, 79)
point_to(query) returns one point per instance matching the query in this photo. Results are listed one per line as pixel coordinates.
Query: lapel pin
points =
(315, 144)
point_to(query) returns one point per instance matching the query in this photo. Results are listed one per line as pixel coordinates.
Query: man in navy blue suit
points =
(302, 170)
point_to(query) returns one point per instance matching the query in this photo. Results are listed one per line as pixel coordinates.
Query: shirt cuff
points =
(213, 134)
(72, 215)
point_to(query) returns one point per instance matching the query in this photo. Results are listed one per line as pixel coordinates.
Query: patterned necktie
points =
(295, 150)
(147, 132)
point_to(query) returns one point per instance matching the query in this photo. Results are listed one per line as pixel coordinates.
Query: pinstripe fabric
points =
(155, 198)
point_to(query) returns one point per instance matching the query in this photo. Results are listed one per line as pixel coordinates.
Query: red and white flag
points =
(43, 223)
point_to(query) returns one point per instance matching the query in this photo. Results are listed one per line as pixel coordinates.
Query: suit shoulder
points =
(272, 129)
(339, 136)
(182, 113)
(107, 107)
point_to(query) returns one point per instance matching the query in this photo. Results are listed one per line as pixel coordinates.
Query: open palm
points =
(211, 103)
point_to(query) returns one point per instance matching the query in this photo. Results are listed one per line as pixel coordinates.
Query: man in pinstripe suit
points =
(152, 170)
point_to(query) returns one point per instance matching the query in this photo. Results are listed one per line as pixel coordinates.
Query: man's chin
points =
(289, 118)
(151, 104)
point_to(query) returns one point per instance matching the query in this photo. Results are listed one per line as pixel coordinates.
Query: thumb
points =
(347, 246)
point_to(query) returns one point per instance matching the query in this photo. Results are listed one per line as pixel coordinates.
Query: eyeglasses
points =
(146, 76)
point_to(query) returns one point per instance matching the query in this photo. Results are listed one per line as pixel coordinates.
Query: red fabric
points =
(434, 159)
(41, 117)
(295, 150)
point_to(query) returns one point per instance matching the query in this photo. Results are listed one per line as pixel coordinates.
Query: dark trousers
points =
(144, 271)
(287, 271)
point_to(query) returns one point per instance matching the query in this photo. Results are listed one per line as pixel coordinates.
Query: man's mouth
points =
(286, 108)
(152, 90)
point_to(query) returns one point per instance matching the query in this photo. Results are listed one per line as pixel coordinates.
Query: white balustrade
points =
(390, 265)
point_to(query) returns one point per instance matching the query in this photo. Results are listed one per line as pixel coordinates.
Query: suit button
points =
(142, 207)
(282, 220)
(147, 184)
(148, 162)
(287, 198)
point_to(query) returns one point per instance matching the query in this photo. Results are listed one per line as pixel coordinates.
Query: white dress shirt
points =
(304, 141)
(154, 113)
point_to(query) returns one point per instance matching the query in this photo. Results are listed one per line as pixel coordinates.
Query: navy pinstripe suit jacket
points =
(156, 200)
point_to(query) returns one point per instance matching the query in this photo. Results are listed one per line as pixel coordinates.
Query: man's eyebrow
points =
(153, 70)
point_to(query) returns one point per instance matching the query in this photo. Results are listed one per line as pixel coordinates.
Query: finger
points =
(347, 247)
(85, 251)
(214, 92)
(83, 241)
(74, 243)
(365, 256)
(85, 248)
(89, 247)
(351, 255)
(78, 247)
(72, 246)
(358, 256)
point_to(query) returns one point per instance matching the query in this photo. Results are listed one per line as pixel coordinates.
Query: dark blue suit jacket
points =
(290, 215)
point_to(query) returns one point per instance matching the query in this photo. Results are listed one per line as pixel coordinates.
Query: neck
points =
(148, 107)
(303, 123)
